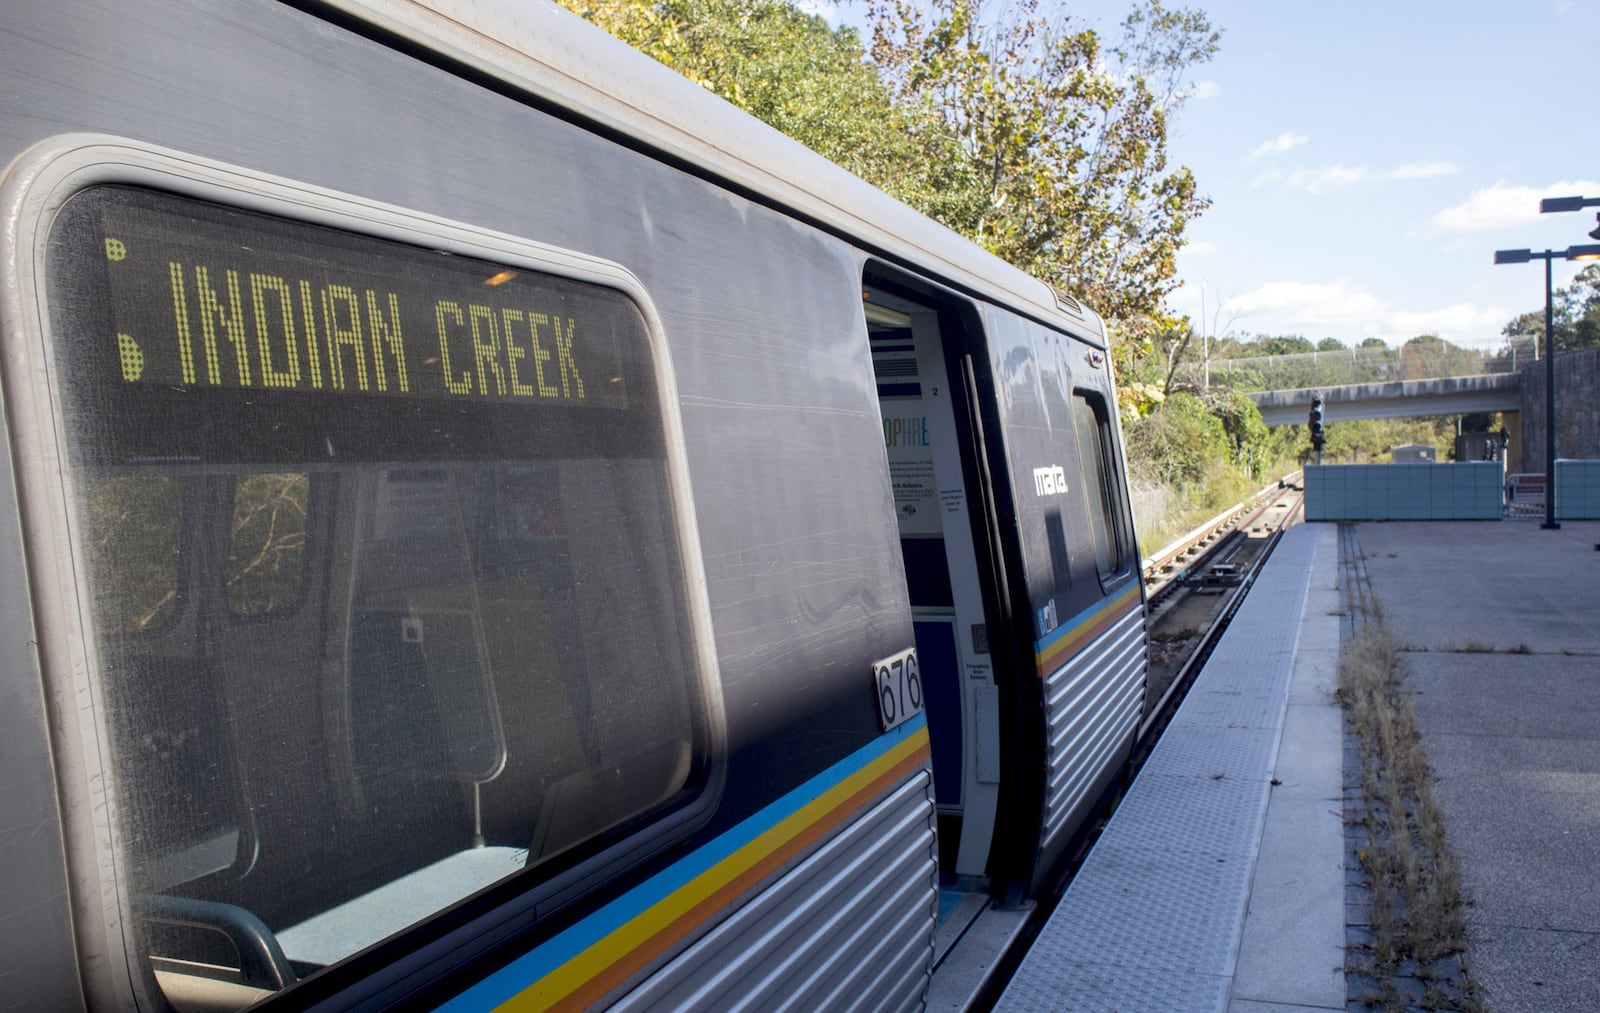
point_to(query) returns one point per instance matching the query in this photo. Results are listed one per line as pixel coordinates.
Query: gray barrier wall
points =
(1404, 492)
(1577, 490)
(1577, 393)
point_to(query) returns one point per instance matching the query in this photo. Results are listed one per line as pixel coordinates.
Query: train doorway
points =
(936, 457)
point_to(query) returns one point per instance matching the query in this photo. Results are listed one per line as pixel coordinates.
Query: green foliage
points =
(1176, 444)
(1576, 313)
(810, 81)
(1292, 344)
(1195, 456)
(1068, 135)
(1241, 423)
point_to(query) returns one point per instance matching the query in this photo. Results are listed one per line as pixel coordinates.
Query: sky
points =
(1365, 159)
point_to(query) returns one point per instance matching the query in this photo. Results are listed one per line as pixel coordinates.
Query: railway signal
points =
(1315, 425)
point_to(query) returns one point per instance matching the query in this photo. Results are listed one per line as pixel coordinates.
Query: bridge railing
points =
(1418, 360)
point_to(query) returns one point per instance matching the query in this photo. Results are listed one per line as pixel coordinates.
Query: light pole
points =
(1522, 257)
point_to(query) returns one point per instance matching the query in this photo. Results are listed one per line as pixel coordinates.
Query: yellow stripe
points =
(578, 971)
(1048, 659)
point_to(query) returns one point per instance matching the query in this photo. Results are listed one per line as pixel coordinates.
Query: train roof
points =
(545, 51)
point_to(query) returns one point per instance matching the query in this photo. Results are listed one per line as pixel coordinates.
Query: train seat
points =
(183, 795)
(358, 923)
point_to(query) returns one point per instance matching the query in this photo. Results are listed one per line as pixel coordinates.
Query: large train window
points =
(388, 580)
(1096, 455)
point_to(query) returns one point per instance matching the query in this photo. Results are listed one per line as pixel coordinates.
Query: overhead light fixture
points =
(1589, 252)
(1595, 233)
(1555, 204)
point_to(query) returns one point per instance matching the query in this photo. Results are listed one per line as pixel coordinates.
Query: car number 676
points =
(899, 688)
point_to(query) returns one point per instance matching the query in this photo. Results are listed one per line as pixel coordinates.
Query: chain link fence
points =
(1416, 360)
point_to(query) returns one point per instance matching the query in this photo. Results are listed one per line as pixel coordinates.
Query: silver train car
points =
(484, 523)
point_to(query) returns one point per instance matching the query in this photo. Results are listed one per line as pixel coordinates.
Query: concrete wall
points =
(1577, 409)
(1577, 489)
(1403, 492)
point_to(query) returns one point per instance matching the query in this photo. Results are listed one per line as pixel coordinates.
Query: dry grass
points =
(1417, 911)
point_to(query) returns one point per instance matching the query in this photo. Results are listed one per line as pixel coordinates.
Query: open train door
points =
(945, 472)
(1022, 575)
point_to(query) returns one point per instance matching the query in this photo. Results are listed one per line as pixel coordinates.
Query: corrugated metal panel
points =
(850, 927)
(1091, 707)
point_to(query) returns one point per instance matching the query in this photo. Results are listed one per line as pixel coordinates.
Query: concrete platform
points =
(1220, 883)
(1220, 879)
(1501, 624)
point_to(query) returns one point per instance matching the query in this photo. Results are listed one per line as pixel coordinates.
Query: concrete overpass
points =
(1451, 395)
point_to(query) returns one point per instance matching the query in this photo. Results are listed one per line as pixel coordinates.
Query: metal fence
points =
(1417, 360)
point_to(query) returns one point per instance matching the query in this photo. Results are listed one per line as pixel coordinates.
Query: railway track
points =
(1189, 608)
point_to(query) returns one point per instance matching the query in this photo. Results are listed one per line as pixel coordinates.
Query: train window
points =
(442, 491)
(1095, 458)
(266, 551)
(134, 523)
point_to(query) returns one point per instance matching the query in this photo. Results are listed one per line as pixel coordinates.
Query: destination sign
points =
(207, 297)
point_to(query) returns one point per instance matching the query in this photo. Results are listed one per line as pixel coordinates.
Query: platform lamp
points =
(1591, 252)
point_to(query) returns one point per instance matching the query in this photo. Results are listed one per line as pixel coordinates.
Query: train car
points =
(485, 523)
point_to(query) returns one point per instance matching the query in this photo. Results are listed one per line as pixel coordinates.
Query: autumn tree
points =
(808, 80)
(1066, 132)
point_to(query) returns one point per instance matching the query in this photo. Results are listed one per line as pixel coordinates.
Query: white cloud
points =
(1424, 170)
(1502, 205)
(1203, 90)
(1200, 247)
(1459, 319)
(1308, 303)
(1278, 145)
(1321, 181)
(1343, 308)
(1341, 176)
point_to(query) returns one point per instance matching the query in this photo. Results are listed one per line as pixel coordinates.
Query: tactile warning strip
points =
(1154, 917)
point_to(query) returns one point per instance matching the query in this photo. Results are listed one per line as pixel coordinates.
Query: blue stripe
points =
(1088, 615)
(535, 964)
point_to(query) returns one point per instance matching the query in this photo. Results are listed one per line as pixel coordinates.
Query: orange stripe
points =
(642, 955)
(1048, 661)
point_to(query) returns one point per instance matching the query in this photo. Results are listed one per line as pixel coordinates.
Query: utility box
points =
(1414, 453)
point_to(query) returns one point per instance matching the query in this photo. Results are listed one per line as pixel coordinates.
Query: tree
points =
(1331, 345)
(1178, 443)
(1576, 313)
(812, 82)
(1241, 422)
(1068, 136)
(1288, 344)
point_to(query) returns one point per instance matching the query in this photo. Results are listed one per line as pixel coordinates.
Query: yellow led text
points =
(263, 330)
(503, 353)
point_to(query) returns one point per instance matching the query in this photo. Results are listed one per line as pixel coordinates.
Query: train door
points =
(942, 498)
